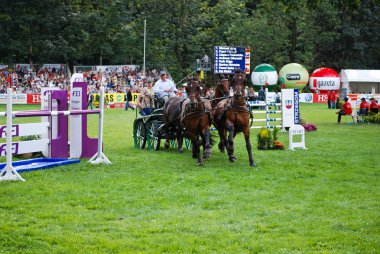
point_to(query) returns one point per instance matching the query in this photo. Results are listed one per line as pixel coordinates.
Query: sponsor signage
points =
(325, 83)
(306, 97)
(319, 98)
(16, 98)
(228, 59)
(33, 98)
(290, 107)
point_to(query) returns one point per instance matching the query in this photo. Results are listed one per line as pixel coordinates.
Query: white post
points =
(8, 172)
(100, 157)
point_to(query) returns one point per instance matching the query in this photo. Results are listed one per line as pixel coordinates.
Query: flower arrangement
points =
(309, 127)
(267, 140)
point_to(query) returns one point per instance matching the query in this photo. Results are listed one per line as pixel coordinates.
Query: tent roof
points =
(350, 75)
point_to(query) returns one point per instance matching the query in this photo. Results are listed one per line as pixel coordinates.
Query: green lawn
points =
(322, 200)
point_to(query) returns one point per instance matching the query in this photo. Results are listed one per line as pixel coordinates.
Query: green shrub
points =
(372, 118)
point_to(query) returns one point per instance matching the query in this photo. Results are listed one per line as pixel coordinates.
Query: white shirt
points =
(160, 86)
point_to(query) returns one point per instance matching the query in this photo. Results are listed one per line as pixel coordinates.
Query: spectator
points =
(373, 107)
(145, 101)
(364, 107)
(128, 99)
(346, 109)
(90, 98)
(329, 99)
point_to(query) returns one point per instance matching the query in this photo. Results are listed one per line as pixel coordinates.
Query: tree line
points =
(337, 34)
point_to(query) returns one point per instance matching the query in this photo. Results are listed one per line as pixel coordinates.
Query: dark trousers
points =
(328, 103)
(145, 111)
(340, 114)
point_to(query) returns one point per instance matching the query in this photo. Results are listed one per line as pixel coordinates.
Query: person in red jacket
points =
(364, 107)
(329, 99)
(373, 107)
(346, 109)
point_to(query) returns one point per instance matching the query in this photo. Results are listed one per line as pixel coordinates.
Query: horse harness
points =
(236, 109)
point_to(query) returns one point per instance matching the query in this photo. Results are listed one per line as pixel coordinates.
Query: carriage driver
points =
(164, 88)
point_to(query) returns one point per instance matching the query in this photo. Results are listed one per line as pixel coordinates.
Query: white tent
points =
(360, 81)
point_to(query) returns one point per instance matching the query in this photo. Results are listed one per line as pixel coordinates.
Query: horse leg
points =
(196, 149)
(249, 147)
(222, 138)
(180, 140)
(230, 142)
(167, 140)
(206, 144)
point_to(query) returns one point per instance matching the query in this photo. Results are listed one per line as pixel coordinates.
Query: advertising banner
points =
(290, 107)
(319, 98)
(306, 97)
(33, 98)
(119, 97)
(115, 68)
(325, 83)
(228, 59)
(16, 98)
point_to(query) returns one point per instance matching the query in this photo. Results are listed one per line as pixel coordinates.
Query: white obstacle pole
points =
(100, 157)
(8, 172)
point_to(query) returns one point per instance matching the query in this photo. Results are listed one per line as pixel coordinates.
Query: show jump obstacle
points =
(54, 142)
(286, 115)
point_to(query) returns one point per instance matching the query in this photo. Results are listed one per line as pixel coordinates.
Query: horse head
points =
(193, 90)
(223, 87)
(239, 80)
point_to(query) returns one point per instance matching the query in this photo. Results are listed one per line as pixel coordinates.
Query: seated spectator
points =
(346, 109)
(373, 107)
(364, 107)
(145, 100)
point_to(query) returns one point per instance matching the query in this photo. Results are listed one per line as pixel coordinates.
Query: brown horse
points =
(222, 90)
(196, 120)
(172, 121)
(232, 115)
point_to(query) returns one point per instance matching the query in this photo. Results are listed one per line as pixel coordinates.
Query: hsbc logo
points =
(293, 76)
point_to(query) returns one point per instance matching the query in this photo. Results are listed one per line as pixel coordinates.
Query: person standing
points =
(145, 100)
(261, 96)
(346, 109)
(329, 99)
(90, 98)
(128, 98)
(373, 107)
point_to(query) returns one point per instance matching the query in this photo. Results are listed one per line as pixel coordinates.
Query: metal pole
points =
(144, 70)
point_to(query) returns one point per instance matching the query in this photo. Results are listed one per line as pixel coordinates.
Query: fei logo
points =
(3, 149)
(76, 93)
(288, 104)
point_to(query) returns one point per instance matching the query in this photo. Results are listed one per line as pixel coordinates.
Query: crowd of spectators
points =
(31, 80)
(24, 80)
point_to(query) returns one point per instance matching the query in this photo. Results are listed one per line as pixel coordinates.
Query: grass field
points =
(322, 200)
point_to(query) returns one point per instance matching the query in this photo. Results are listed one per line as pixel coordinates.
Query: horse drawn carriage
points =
(148, 131)
(191, 119)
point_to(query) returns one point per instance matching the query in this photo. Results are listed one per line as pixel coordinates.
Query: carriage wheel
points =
(153, 136)
(139, 135)
(188, 143)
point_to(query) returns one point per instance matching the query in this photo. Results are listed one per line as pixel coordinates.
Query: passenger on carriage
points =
(164, 87)
(145, 100)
